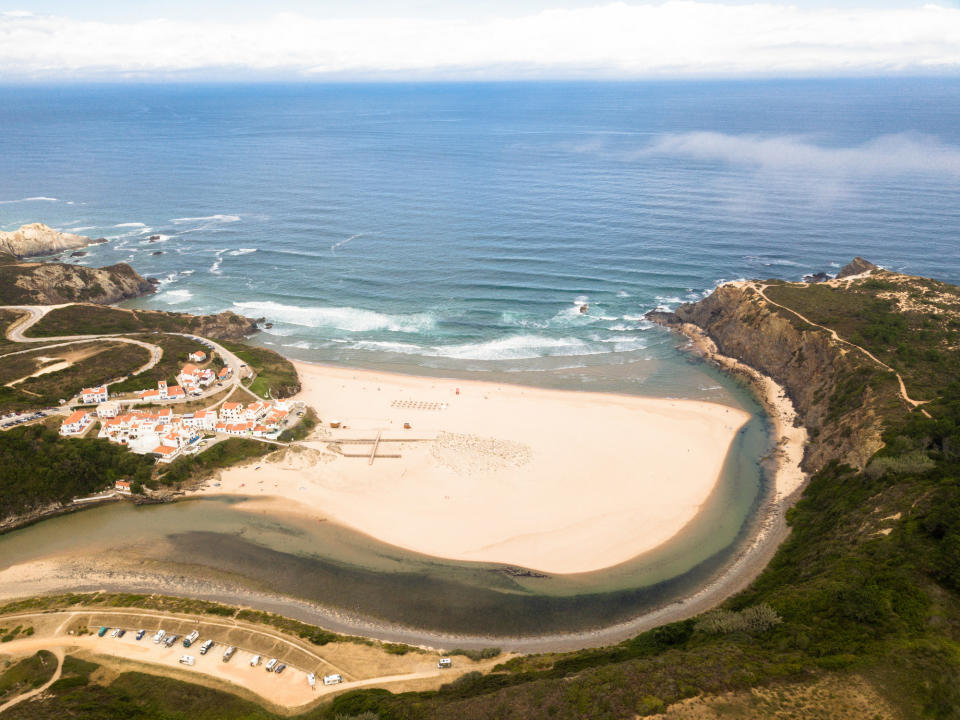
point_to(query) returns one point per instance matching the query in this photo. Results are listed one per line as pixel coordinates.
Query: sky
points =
(114, 40)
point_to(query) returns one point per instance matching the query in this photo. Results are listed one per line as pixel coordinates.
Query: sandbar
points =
(558, 482)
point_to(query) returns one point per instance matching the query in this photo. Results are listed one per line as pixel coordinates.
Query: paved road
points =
(35, 313)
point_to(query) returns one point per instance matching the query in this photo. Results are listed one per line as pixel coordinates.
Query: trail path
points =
(833, 333)
(35, 313)
(59, 653)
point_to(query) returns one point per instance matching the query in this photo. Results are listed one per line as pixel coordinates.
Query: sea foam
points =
(347, 319)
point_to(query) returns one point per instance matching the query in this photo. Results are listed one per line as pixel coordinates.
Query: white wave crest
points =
(131, 224)
(207, 219)
(517, 347)
(36, 198)
(174, 297)
(339, 318)
(243, 251)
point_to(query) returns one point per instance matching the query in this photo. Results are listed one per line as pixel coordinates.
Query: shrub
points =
(752, 620)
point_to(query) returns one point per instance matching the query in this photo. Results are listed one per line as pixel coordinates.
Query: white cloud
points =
(884, 155)
(675, 38)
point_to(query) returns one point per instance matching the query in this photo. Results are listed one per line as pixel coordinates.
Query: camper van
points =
(191, 638)
(254, 661)
(332, 679)
(271, 664)
(187, 660)
(228, 653)
(311, 679)
(159, 636)
(205, 648)
(103, 631)
(445, 663)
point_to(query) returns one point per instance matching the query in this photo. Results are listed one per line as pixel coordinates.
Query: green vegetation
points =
(133, 695)
(913, 326)
(276, 377)
(175, 351)
(38, 467)
(7, 318)
(11, 635)
(224, 454)
(96, 363)
(477, 655)
(302, 429)
(104, 320)
(17, 678)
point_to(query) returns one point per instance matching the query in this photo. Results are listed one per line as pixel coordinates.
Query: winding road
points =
(59, 653)
(35, 313)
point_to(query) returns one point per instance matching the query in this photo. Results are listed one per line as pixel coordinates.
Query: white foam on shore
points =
(347, 319)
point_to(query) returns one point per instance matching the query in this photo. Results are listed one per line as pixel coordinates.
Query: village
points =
(166, 434)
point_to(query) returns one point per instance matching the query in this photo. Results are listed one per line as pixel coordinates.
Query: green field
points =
(276, 376)
(20, 676)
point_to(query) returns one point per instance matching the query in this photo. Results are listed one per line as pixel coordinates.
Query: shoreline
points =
(559, 482)
(786, 484)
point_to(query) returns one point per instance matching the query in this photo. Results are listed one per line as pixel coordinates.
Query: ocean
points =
(459, 228)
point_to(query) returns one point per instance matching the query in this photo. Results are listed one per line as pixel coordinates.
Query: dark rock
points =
(78, 253)
(153, 238)
(98, 241)
(816, 277)
(668, 319)
(157, 252)
(855, 267)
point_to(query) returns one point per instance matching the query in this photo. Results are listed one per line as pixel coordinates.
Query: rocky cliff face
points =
(224, 326)
(818, 375)
(54, 283)
(37, 239)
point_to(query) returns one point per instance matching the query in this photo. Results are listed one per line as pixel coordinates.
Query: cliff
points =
(55, 283)
(37, 239)
(842, 396)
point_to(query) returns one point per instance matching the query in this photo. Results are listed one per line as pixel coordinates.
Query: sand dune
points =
(559, 482)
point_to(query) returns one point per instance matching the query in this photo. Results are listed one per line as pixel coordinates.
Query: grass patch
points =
(22, 676)
(232, 451)
(276, 377)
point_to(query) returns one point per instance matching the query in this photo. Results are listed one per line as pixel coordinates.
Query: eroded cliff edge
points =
(841, 396)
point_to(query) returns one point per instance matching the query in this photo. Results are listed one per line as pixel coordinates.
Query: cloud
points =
(674, 38)
(885, 155)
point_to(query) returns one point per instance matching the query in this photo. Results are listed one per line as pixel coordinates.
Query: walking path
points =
(833, 333)
(59, 653)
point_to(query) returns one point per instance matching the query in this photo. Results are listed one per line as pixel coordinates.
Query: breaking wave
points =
(347, 319)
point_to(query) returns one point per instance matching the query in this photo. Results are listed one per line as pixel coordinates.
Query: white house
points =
(231, 412)
(198, 356)
(94, 395)
(76, 423)
(106, 410)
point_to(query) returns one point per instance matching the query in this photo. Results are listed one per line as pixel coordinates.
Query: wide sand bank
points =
(555, 481)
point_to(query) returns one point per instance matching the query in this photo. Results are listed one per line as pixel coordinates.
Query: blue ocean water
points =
(461, 226)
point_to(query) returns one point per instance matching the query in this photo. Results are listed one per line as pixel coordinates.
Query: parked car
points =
(121, 633)
(271, 664)
(140, 634)
(170, 640)
(254, 661)
(103, 631)
(205, 648)
(114, 633)
(159, 636)
(228, 653)
(445, 663)
(311, 679)
(280, 668)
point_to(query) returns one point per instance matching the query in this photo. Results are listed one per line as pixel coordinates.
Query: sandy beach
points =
(558, 482)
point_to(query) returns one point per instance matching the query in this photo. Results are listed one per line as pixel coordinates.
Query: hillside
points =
(858, 613)
(24, 283)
